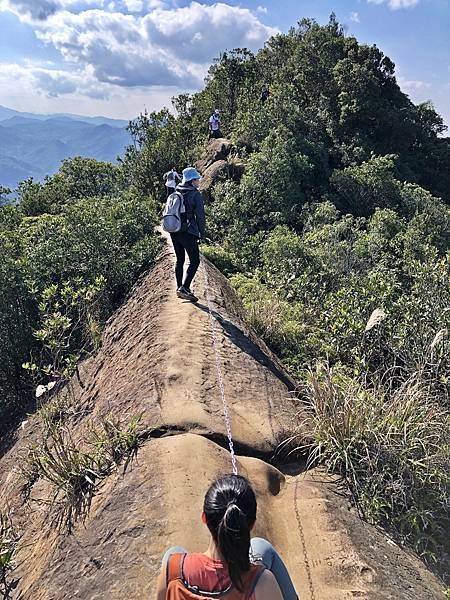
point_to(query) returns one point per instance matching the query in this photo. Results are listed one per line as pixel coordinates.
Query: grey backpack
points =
(171, 217)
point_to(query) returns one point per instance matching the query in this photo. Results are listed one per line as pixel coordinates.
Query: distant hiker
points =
(265, 93)
(184, 219)
(170, 179)
(234, 567)
(214, 125)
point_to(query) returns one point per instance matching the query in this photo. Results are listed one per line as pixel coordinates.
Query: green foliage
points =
(89, 178)
(61, 275)
(77, 178)
(4, 193)
(160, 142)
(370, 185)
(18, 313)
(72, 472)
(223, 260)
(54, 411)
(66, 315)
(334, 276)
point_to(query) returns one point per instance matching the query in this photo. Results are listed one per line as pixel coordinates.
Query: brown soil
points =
(157, 359)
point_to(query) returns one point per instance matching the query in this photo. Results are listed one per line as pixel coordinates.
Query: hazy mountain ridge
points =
(8, 113)
(33, 145)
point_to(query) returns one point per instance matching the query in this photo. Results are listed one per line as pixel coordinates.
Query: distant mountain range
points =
(33, 145)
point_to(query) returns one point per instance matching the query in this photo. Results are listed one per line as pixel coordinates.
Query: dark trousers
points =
(215, 134)
(185, 242)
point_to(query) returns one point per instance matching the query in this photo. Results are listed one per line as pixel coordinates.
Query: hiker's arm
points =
(161, 587)
(176, 175)
(200, 213)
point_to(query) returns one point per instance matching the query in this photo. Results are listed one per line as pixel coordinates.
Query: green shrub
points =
(223, 260)
(61, 276)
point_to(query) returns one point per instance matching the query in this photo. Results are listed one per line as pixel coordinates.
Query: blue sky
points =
(113, 57)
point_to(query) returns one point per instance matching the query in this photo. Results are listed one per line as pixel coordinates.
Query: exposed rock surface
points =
(218, 162)
(218, 169)
(216, 149)
(157, 359)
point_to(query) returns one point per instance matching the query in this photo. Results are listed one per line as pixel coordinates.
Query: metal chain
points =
(219, 373)
(302, 539)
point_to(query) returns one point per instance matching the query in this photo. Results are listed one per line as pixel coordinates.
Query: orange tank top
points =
(206, 574)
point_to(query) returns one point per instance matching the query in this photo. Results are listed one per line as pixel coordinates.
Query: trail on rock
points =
(157, 359)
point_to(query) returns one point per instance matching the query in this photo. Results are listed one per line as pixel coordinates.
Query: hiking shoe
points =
(185, 294)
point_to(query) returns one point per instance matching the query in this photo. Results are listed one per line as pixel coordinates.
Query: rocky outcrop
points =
(216, 149)
(218, 170)
(218, 163)
(157, 360)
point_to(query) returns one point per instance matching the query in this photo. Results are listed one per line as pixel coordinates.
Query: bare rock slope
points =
(157, 359)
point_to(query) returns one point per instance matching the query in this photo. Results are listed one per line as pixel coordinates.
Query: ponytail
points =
(230, 509)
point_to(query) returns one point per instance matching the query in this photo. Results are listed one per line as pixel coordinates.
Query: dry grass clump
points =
(391, 445)
(75, 468)
(8, 546)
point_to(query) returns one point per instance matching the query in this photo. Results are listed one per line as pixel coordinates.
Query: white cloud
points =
(354, 16)
(262, 9)
(396, 4)
(413, 85)
(37, 10)
(220, 25)
(164, 47)
(111, 101)
(134, 5)
(36, 79)
(111, 46)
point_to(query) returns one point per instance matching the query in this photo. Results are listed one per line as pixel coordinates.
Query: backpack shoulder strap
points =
(174, 567)
(253, 578)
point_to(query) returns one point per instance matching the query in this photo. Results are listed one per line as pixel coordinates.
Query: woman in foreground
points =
(234, 567)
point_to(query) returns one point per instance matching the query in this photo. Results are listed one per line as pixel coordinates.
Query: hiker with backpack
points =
(170, 179)
(214, 125)
(184, 219)
(234, 566)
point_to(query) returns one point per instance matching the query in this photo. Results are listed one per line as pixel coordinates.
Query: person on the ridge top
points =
(192, 229)
(214, 125)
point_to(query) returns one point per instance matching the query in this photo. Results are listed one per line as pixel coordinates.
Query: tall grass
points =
(75, 468)
(72, 472)
(391, 445)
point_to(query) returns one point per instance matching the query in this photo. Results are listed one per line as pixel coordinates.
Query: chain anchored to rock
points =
(303, 543)
(219, 372)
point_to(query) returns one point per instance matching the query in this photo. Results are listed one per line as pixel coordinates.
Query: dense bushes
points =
(62, 274)
(334, 275)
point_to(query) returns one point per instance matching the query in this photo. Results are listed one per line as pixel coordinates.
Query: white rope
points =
(219, 372)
